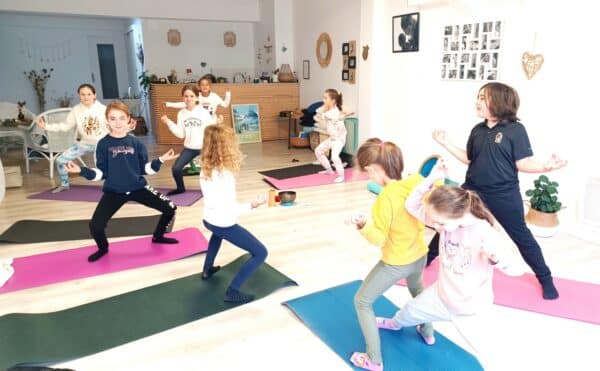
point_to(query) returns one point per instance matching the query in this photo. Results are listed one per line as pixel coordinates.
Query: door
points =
(108, 66)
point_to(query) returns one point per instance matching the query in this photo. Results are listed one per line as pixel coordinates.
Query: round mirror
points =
(324, 49)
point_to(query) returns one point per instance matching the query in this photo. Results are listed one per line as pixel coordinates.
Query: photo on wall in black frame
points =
(405, 33)
(345, 48)
(345, 75)
(352, 62)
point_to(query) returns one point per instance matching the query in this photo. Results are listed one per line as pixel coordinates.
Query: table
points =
(15, 131)
(293, 117)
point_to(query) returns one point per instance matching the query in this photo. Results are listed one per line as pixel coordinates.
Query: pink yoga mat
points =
(578, 300)
(92, 193)
(312, 180)
(60, 266)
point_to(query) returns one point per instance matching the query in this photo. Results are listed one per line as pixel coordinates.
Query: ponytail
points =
(336, 96)
(478, 209)
(455, 202)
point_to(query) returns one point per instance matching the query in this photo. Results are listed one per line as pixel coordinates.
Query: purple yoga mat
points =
(312, 180)
(577, 301)
(66, 265)
(90, 193)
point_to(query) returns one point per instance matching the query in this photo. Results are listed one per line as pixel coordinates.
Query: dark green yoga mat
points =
(50, 338)
(31, 231)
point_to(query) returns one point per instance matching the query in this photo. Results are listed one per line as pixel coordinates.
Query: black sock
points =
(549, 291)
(235, 296)
(212, 270)
(163, 239)
(97, 255)
(176, 191)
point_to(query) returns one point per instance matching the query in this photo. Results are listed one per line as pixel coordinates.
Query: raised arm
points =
(529, 165)
(177, 129)
(499, 254)
(178, 105)
(94, 174)
(441, 137)
(225, 103)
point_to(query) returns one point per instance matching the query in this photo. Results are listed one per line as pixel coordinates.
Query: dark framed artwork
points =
(352, 62)
(306, 69)
(405, 33)
(345, 48)
(345, 75)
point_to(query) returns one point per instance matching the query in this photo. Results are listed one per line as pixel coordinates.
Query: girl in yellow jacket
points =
(400, 236)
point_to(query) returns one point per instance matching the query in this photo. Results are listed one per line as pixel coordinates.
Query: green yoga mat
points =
(49, 338)
(32, 231)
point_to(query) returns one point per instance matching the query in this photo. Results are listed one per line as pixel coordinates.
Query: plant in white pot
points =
(543, 206)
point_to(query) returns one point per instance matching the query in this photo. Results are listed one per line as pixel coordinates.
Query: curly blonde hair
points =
(220, 150)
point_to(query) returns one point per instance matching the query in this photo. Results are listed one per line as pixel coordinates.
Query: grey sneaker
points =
(60, 189)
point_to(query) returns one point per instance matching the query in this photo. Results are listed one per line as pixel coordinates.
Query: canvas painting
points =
(246, 122)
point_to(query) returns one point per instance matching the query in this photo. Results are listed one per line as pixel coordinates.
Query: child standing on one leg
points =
(122, 161)
(191, 122)
(470, 249)
(497, 149)
(330, 117)
(400, 237)
(221, 159)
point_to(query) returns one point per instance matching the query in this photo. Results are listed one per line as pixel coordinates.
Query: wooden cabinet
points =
(271, 99)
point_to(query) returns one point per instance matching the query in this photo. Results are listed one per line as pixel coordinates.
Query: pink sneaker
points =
(362, 360)
(386, 323)
(429, 340)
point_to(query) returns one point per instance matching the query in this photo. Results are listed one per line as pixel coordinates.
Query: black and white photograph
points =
(352, 62)
(471, 51)
(345, 48)
(345, 75)
(405, 33)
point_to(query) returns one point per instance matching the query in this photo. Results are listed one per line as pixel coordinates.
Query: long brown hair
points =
(336, 96)
(502, 101)
(455, 202)
(385, 154)
(220, 150)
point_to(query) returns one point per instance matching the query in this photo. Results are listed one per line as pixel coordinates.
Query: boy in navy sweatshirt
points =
(122, 161)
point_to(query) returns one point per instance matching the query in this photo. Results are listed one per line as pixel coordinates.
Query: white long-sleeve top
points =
(332, 121)
(91, 123)
(190, 126)
(465, 276)
(220, 200)
(210, 103)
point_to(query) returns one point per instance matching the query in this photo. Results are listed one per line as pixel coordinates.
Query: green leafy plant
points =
(543, 197)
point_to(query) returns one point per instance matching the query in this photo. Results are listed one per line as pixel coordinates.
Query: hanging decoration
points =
(45, 53)
(229, 39)
(173, 37)
(531, 64)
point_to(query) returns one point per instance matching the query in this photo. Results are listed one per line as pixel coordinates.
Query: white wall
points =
(62, 43)
(558, 106)
(339, 18)
(284, 32)
(221, 10)
(201, 41)
(264, 34)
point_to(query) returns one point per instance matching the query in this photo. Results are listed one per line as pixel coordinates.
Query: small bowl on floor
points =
(287, 198)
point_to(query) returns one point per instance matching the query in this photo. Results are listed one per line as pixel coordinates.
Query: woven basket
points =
(300, 142)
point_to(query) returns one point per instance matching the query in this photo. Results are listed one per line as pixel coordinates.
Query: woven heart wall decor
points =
(531, 64)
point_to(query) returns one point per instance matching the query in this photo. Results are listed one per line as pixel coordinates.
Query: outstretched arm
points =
(441, 137)
(529, 165)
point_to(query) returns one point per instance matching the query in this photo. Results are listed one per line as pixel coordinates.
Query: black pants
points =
(110, 203)
(507, 208)
(185, 157)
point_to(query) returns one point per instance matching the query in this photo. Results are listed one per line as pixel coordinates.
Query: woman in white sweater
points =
(91, 127)
(207, 99)
(191, 122)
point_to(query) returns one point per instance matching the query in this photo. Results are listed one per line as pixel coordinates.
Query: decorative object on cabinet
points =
(285, 74)
(405, 33)
(531, 64)
(172, 77)
(324, 49)
(173, 37)
(229, 39)
(246, 122)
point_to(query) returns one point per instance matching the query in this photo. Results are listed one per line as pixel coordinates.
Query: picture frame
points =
(405, 33)
(352, 76)
(352, 62)
(306, 69)
(352, 48)
(345, 75)
(246, 122)
(345, 48)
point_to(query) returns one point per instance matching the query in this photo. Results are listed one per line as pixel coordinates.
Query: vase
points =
(285, 74)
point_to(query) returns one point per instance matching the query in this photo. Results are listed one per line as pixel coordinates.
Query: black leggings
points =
(110, 203)
(507, 208)
(185, 157)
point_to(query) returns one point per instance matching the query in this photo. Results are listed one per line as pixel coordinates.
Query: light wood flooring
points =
(308, 242)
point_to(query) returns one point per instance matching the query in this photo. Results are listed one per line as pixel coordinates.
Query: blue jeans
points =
(241, 238)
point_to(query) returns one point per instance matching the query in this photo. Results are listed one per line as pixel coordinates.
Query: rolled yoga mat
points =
(92, 193)
(66, 265)
(330, 314)
(32, 231)
(577, 301)
(292, 172)
(50, 338)
(312, 180)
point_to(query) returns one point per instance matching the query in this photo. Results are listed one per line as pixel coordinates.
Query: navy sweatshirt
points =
(122, 163)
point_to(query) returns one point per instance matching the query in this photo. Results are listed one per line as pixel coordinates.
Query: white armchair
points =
(48, 144)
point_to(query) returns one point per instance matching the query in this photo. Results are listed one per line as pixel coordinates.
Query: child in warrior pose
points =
(330, 117)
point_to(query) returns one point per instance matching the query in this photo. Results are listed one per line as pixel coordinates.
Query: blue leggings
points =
(243, 239)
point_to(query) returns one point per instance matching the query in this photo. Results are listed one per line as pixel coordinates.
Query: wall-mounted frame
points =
(324, 49)
(306, 69)
(405, 33)
(352, 62)
(345, 75)
(246, 122)
(345, 48)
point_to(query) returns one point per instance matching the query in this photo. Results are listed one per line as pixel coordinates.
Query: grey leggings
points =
(379, 280)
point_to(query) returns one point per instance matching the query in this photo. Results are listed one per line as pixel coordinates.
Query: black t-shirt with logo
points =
(493, 153)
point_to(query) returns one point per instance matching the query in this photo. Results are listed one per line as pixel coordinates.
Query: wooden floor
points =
(308, 242)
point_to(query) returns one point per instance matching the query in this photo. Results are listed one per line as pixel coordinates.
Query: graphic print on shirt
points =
(208, 107)
(91, 126)
(498, 138)
(458, 258)
(126, 150)
(192, 122)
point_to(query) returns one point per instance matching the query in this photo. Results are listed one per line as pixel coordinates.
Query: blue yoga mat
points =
(331, 316)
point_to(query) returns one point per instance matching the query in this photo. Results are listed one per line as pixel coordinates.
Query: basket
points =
(300, 142)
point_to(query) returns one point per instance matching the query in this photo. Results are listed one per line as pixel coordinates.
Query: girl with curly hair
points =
(221, 158)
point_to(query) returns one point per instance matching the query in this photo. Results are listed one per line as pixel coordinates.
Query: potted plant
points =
(543, 206)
